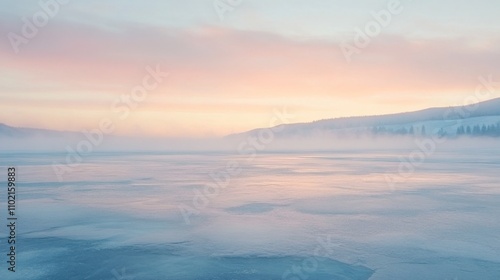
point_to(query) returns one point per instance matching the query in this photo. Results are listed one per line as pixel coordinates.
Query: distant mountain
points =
(23, 132)
(481, 119)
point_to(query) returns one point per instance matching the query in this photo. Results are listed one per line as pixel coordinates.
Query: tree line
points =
(479, 130)
(492, 130)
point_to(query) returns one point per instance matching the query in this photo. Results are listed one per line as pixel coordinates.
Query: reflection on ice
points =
(119, 213)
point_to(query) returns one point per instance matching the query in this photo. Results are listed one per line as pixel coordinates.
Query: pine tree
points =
(491, 130)
(484, 130)
(441, 133)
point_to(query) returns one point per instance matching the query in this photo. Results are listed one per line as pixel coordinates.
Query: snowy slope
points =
(435, 120)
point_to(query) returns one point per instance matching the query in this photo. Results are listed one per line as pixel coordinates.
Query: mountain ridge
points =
(438, 118)
(488, 108)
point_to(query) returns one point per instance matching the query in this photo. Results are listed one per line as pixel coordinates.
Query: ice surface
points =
(323, 215)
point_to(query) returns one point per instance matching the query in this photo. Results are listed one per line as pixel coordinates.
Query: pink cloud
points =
(223, 63)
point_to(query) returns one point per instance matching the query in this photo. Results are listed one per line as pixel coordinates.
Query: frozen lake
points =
(329, 215)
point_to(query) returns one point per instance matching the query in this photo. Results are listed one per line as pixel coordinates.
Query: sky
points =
(202, 68)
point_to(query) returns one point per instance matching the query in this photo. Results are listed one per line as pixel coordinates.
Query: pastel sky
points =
(228, 74)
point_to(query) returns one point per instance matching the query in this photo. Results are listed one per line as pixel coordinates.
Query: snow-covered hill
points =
(481, 119)
(22, 132)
